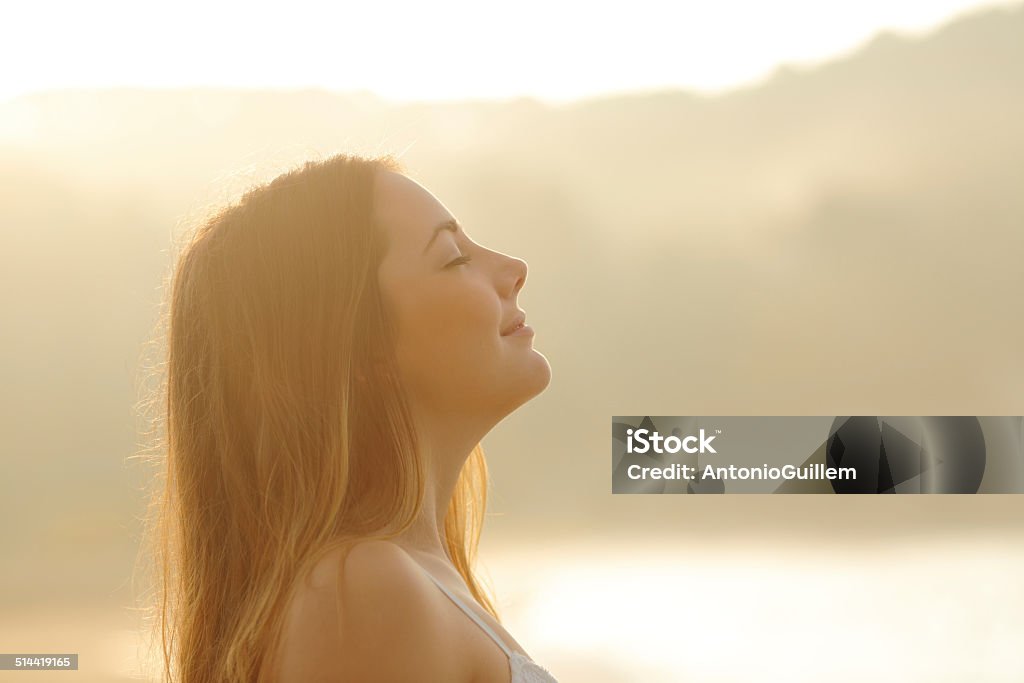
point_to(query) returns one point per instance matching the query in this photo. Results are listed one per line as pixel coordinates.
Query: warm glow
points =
(441, 50)
(772, 613)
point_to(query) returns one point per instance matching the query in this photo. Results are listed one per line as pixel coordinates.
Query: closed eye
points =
(460, 261)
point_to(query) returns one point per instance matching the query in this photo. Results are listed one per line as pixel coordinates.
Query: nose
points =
(515, 275)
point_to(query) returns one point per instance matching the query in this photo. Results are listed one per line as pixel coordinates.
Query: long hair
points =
(287, 432)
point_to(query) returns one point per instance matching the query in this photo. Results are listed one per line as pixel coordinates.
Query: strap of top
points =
(471, 614)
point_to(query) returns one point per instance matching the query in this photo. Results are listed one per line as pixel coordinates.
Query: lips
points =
(516, 323)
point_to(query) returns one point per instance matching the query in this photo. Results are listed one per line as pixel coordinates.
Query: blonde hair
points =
(275, 451)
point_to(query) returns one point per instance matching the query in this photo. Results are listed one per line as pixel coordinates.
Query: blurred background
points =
(747, 208)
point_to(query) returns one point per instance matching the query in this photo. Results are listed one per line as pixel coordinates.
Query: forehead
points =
(406, 211)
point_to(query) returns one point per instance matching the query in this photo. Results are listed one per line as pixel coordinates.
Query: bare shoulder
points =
(365, 615)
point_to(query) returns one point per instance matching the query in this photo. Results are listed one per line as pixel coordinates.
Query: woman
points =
(338, 346)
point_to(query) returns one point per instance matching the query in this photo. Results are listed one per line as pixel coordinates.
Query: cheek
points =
(447, 332)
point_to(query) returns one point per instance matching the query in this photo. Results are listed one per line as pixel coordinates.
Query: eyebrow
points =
(451, 224)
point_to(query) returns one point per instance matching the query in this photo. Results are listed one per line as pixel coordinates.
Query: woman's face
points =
(450, 312)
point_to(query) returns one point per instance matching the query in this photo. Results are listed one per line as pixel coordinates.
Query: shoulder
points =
(365, 614)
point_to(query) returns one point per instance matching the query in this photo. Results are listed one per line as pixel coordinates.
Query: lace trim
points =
(525, 670)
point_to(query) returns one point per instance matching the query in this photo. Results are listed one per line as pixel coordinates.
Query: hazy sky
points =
(442, 49)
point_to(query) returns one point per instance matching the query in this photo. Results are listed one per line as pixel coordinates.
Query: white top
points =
(524, 669)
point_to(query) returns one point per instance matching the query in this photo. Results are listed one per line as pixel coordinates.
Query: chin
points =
(536, 377)
(506, 393)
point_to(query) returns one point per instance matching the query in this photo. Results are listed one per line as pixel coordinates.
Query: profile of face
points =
(451, 299)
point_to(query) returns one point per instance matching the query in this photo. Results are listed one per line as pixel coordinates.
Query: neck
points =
(426, 535)
(444, 446)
